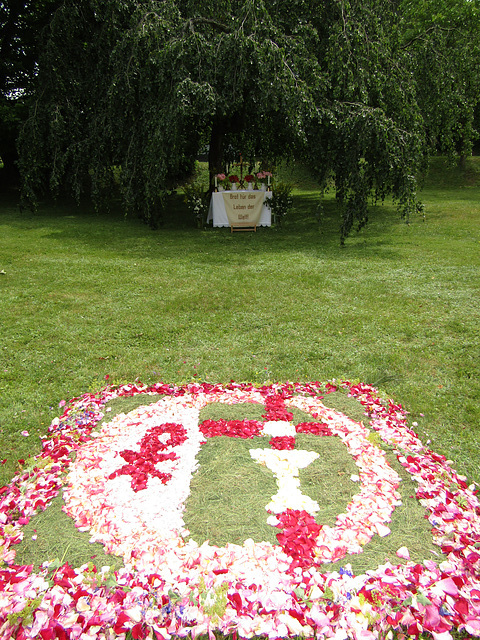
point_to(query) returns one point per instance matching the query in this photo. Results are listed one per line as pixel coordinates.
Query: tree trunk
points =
(9, 175)
(215, 152)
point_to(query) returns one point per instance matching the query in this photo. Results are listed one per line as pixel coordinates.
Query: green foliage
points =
(21, 24)
(197, 198)
(213, 601)
(25, 615)
(281, 201)
(439, 43)
(358, 90)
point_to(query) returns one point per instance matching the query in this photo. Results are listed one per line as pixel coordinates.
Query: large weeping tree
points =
(21, 23)
(134, 89)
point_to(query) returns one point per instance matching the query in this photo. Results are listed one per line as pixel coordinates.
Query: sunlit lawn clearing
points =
(86, 296)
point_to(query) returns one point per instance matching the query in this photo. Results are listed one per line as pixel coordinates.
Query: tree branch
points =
(420, 36)
(189, 24)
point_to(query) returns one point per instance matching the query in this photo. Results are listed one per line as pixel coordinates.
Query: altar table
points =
(218, 215)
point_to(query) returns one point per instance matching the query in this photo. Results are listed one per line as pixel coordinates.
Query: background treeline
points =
(102, 95)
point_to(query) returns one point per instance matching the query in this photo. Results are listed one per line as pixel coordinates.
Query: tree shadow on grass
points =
(301, 232)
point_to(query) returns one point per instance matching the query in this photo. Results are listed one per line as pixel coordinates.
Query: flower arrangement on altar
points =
(234, 181)
(253, 179)
(260, 180)
(250, 180)
(220, 181)
(127, 483)
(264, 178)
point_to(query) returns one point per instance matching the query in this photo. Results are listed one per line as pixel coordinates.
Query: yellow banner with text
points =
(243, 208)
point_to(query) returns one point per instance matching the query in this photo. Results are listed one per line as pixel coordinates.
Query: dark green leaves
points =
(357, 90)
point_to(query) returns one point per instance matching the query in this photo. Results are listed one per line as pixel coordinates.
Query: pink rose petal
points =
(403, 553)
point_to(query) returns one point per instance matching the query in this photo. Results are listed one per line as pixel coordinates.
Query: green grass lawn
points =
(87, 295)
